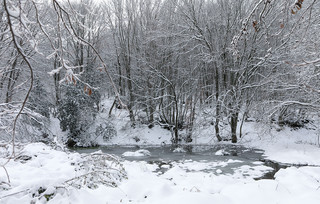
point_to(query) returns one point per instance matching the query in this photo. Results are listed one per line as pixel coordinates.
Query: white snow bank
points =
(179, 185)
(285, 146)
(183, 183)
(295, 154)
(40, 172)
(138, 153)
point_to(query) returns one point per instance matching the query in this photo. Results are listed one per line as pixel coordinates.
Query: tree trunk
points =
(121, 84)
(233, 125)
(56, 78)
(176, 128)
(131, 97)
(113, 104)
(150, 105)
(218, 105)
(191, 121)
(151, 115)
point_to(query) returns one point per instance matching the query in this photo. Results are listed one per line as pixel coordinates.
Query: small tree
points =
(76, 113)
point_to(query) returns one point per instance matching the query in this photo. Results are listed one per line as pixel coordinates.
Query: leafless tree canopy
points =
(164, 61)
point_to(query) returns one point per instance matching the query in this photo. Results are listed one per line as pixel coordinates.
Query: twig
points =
(14, 193)
(6, 173)
(21, 52)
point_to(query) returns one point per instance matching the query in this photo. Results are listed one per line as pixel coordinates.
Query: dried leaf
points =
(298, 6)
(254, 23)
(89, 91)
(74, 81)
(281, 25)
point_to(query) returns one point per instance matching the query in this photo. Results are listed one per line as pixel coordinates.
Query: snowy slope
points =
(286, 146)
(140, 135)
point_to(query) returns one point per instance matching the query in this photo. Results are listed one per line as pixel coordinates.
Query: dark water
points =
(194, 152)
(165, 156)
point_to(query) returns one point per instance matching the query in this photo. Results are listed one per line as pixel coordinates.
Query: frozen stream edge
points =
(218, 159)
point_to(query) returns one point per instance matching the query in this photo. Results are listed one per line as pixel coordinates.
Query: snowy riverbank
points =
(44, 173)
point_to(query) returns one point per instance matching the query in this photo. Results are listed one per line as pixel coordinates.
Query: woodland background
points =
(163, 62)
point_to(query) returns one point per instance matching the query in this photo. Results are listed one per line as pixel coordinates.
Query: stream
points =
(222, 159)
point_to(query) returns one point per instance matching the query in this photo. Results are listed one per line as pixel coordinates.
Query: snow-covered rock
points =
(179, 150)
(138, 153)
(222, 152)
(218, 171)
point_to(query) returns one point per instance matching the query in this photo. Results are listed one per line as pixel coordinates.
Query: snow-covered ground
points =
(300, 146)
(45, 174)
(42, 173)
(49, 169)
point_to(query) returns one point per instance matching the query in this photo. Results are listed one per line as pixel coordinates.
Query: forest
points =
(159, 101)
(162, 62)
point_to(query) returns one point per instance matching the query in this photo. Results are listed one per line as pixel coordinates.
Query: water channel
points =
(227, 158)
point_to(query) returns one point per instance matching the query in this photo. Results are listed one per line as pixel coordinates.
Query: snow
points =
(179, 150)
(39, 170)
(42, 166)
(221, 152)
(287, 146)
(201, 166)
(140, 135)
(138, 153)
(218, 171)
(182, 182)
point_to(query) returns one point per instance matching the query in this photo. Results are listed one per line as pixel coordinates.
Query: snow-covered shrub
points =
(34, 128)
(99, 168)
(54, 173)
(106, 130)
(291, 116)
(30, 127)
(77, 113)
